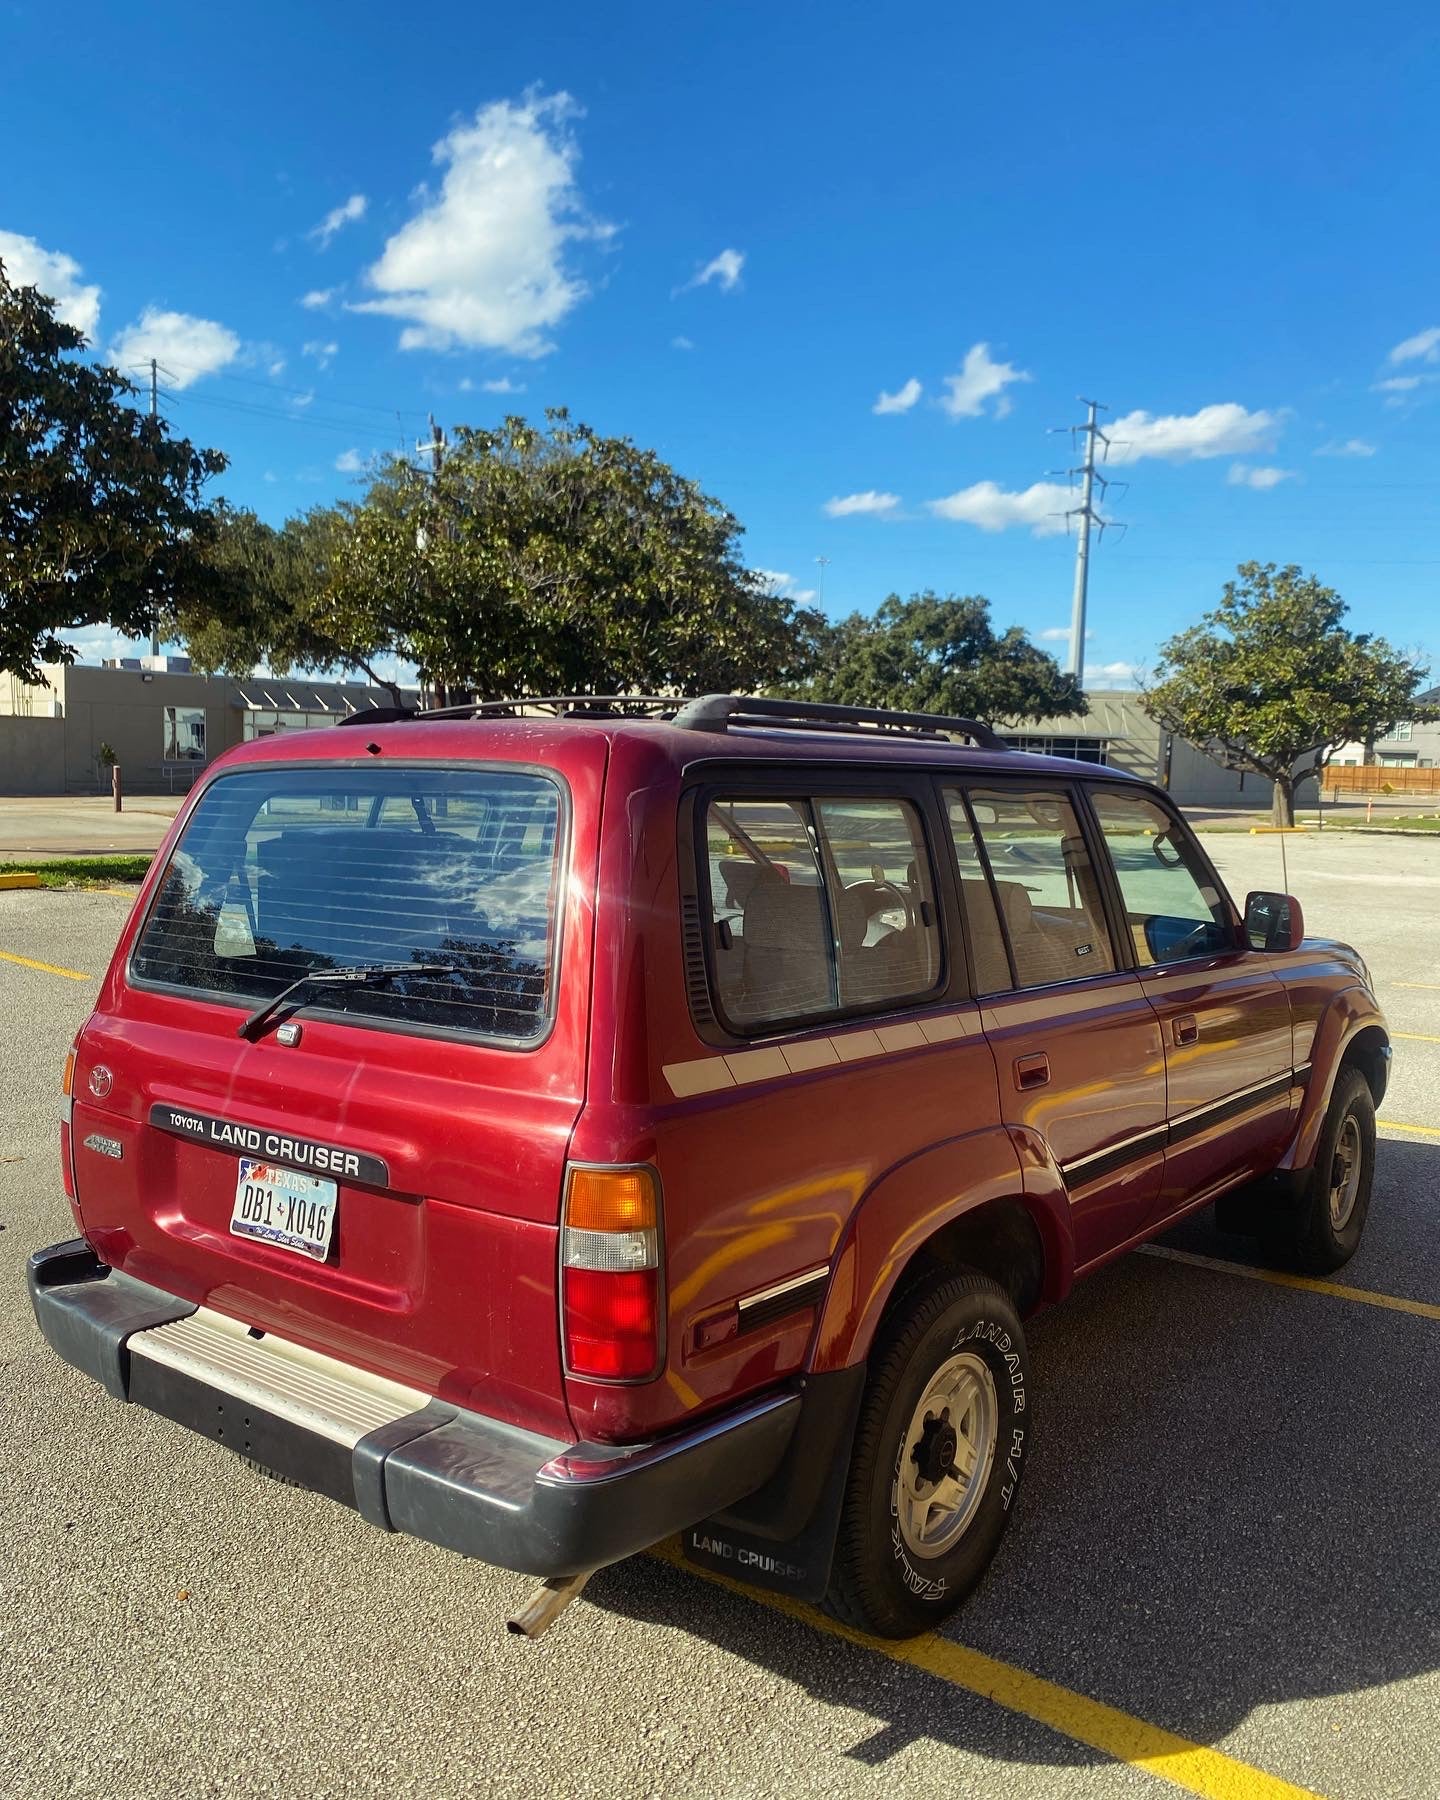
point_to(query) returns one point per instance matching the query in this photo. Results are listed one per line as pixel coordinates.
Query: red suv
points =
(549, 1128)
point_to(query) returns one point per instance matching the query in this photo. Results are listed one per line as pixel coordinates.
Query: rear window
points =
(280, 871)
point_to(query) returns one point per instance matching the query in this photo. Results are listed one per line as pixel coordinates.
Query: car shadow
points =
(1231, 1506)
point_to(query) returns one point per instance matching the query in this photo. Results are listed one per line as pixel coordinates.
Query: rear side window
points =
(1044, 885)
(283, 871)
(818, 907)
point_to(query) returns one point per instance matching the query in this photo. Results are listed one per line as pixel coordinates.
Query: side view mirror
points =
(1273, 922)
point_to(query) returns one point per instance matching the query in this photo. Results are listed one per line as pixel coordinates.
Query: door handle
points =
(1032, 1071)
(1185, 1028)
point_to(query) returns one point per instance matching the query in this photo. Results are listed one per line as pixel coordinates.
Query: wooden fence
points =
(1373, 779)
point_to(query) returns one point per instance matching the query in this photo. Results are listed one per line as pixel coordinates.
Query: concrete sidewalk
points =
(84, 825)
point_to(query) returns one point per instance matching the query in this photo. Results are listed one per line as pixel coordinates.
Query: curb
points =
(19, 881)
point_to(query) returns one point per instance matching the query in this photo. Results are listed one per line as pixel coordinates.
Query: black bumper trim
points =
(458, 1479)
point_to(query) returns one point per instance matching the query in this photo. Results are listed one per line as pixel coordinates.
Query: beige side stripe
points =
(743, 1068)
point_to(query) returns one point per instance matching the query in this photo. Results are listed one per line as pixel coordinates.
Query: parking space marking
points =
(1430, 987)
(1398, 1125)
(1116, 1734)
(1416, 1037)
(1421, 1309)
(27, 962)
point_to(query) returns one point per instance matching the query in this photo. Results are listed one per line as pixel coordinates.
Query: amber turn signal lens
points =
(67, 1077)
(611, 1200)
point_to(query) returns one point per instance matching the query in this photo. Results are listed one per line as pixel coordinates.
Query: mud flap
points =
(782, 1537)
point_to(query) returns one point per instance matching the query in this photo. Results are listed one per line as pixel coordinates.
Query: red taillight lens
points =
(610, 1302)
(612, 1323)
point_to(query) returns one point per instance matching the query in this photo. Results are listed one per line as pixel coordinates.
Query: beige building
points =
(162, 722)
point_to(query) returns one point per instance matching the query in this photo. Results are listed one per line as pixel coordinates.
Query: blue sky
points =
(728, 232)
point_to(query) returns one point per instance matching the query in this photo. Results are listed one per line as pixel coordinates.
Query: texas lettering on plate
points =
(285, 1208)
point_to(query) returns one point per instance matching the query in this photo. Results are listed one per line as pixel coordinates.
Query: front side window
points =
(284, 871)
(818, 907)
(1173, 909)
(1044, 885)
(184, 734)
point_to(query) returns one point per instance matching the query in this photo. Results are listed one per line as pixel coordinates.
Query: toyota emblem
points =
(101, 1081)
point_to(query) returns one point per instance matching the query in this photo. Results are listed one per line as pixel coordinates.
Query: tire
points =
(904, 1560)
(1320, 1230)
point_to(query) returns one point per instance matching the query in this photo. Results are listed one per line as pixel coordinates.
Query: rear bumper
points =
(434, 1471)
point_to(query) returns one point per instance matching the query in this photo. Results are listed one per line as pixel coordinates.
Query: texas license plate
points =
(285, 1208)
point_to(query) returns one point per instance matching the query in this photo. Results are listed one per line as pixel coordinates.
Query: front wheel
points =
(940, 1445)
(1321, 1230)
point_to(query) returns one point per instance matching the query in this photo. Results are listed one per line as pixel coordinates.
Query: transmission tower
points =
(1085, 512)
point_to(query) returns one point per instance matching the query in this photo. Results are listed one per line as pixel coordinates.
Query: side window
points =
(774, 952)
(987, 941)
(881, 901)
(1044, 883)
(1172, 907)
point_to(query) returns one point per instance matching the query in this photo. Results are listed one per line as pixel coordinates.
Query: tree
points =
(101, 513)
(552, 559)
(934, 654)
(1272, 680)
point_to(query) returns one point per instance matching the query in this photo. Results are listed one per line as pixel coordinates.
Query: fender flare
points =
(1350, 1014)
(905, 1209)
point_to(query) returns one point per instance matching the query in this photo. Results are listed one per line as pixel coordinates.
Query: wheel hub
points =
(946, 1455)
(934, 1455)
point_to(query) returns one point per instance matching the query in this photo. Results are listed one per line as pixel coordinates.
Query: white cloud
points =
(847, 506)
(323, 352)
(681, 343)
(1224, 430)
(503, 386)
(350, 462)
(1245, 475)
(348, 213)
(1350, 447)
(1111, 671)
(1042, 507)
(318, 297)
(723, 269)
(775, 581)
(1423, 347)
(55, 274)
(1395, 387)
(187, 348)
(484, 262)
(900, 401)
(301, 401)
(981, 379)
(1059, 634)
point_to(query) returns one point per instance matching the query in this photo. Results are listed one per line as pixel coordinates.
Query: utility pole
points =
(1087, 515)
(824, 562)
(154, 413)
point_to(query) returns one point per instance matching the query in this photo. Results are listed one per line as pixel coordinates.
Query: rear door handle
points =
(1032, 1071)
(1185, 1028)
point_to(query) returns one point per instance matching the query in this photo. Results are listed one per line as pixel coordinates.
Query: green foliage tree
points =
(940, 654)
(553, 560)
(1272, 680)
(102, 519)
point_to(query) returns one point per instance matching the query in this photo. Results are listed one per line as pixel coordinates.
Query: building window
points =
(1398, 734)
(263, 721)
(1078, 749)
(184, 734)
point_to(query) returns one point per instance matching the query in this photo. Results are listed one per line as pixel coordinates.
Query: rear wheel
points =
(1321, 1230)
(939, 1449)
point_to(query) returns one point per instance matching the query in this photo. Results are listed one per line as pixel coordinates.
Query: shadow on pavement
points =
(1232, 1505)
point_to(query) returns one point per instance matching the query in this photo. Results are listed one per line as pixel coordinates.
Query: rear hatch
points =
(376, 1172)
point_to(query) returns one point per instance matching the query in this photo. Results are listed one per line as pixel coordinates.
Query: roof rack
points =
(710, 712)
(722, 712)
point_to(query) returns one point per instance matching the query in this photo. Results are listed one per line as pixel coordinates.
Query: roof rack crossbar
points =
(719, 712)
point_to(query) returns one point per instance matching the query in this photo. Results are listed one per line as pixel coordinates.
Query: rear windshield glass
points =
(280, 871)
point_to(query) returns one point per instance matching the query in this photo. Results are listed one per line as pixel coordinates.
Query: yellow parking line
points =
(27, 962)
(1430, 987)
(1422, 1309)
(1416, 1037)
(1209, 1773)
(1398, 1125)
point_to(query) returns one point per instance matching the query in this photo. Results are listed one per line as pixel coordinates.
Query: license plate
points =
(285, 1208)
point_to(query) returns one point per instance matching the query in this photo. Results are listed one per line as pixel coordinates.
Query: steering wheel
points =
(884, 896)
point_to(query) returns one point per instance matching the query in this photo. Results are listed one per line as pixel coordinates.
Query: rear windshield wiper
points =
(359, 975)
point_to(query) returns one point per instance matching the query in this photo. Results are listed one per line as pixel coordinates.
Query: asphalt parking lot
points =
(1224, 1577)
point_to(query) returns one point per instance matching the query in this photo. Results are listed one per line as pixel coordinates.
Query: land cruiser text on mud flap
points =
(548, 1127)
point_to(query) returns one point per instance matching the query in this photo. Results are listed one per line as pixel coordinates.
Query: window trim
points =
(559, 890)
(802, 786)
(1115, 896)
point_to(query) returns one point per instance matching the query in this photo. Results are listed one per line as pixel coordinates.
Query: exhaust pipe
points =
(545, 1605)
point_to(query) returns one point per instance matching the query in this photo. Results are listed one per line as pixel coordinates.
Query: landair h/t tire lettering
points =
(940, 1450)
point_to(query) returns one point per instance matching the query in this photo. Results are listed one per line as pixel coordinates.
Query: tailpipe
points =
(544, 1605)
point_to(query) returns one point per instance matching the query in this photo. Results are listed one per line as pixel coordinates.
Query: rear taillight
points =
(610, 1274)
(67, 1167)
